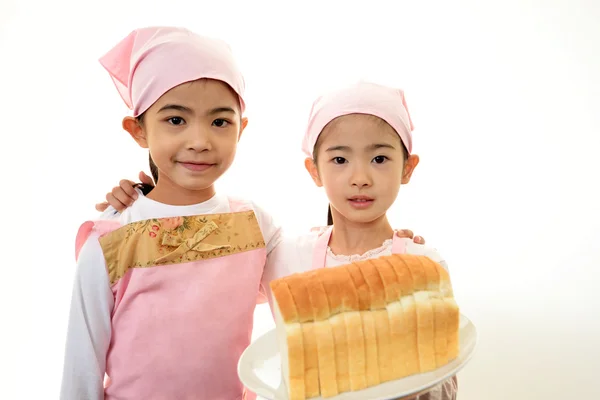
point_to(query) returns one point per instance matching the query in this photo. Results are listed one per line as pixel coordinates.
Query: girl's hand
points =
(124, 195)
(407, 233)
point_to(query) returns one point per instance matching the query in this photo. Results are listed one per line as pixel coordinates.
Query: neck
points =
(350, 237)
(168, 193)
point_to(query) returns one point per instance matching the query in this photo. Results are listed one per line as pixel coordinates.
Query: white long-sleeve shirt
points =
(89, 326)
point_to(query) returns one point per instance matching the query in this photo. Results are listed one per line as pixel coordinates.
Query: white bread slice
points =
(375, 316)
(324, 335)
(389, 355)
(339, 298)
(424, 309)
(453, 313)
(290, 341)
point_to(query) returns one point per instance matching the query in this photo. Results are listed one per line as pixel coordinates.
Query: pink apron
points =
(444, 391)
(178, 330)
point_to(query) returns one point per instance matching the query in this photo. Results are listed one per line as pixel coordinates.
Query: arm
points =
(282, 261)
(89, 327)
(272, 235)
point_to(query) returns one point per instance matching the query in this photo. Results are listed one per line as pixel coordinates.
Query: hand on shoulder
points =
(407, 233)
(123, 196)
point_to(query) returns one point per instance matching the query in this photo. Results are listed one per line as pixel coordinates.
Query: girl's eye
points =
(380, 159)
(220, 123)
(339, 160)
(176, 121)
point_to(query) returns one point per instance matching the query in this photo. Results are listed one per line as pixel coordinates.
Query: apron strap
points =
(238, 205)
(398, 244)
(320, 250)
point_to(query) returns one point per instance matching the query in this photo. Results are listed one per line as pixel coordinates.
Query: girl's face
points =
(192, 132)
(361, 165)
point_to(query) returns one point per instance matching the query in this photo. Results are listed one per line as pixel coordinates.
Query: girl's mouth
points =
(197, 167)
(361, 202)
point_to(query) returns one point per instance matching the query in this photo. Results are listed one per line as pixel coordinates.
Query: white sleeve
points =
(271, 232)
(89, 327)
(423, 250)
(270, 229)
(277, 266)
(293, 254)
(110, 214)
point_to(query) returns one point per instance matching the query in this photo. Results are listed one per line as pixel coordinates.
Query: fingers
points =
(122, 196)
(127, 188)
(419, 240)
(117, 204)
(405, 233)
(146, 179)
(101, 207)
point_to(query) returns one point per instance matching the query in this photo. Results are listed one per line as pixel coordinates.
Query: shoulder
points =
(292, 255)
(109, 214)
(424, 250)
(299, 244)
(239, 204)
(269, 226)
(125, 217)
(89, 253)
(92, 231)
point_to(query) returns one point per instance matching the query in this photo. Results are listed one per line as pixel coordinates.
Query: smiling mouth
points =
(193, 166)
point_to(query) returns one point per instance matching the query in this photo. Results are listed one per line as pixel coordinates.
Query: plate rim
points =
(272, 394)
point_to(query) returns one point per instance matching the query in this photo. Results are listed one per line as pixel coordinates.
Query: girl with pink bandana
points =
(358, 147)
(164, 294)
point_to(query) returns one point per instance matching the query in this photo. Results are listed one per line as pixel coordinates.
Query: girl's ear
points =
(409, 166)
(244, 124)
(133, 127)
(311, 167)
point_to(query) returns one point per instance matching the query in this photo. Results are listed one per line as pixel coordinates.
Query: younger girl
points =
(359, 149)
(164, 296)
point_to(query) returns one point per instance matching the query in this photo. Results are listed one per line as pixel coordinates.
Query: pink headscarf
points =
(361, 98)
(151, 61)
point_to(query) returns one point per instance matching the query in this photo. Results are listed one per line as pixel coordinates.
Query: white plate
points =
(259, 369)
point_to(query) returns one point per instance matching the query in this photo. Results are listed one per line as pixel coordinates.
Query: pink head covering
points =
(361, 98)
(151, 61)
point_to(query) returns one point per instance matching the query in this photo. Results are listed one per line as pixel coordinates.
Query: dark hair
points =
(316, 150)
(153, 168)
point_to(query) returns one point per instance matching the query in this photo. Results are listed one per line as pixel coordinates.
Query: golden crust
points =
(366, 323)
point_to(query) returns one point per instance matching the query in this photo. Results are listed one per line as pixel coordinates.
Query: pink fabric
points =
(320, 250)
(398, 245)
(178, 331)
(101, 227)
(150, 61)
(384, 102)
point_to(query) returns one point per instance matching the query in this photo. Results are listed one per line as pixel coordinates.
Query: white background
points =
(505, 100)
